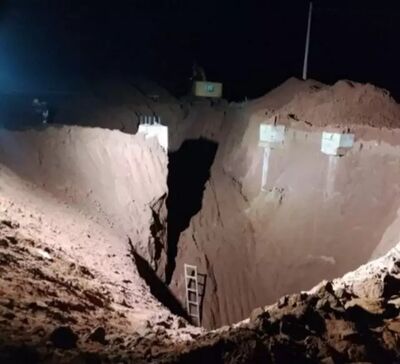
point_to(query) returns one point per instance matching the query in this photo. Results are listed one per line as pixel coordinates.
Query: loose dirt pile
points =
(344, 104)
(82, 237)
(75, 316)
(116, 179)
(344, 321)
(55, 310)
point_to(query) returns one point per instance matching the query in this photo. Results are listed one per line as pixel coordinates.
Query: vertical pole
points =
(197, 299)
(265, 167)
(187, 290)
(305, 66)
(331, 177)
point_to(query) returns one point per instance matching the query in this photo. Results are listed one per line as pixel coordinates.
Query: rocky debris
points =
(98, 335)
(256, 313)
(394, 326)
(76, 310)
(329, 324)
(62, 312)
(299, 332)
(9, 224)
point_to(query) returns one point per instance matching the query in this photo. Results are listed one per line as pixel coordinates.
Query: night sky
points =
(252, 46)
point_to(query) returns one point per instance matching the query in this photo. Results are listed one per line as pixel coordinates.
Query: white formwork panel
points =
(271, 134)
(155, 131)
(336, 143)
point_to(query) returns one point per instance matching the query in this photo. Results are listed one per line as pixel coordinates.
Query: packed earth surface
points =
(97, 222)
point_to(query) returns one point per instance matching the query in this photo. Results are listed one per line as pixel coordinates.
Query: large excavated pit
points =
(258, 224)
(314, 216)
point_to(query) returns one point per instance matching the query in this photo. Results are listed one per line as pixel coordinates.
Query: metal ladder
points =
(192, 293)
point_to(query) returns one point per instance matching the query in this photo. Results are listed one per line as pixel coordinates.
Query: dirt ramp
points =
(117, 179)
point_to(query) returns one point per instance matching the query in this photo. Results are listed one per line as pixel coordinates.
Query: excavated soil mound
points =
(75, 316)
(343, 104)
(53, 309)
(315, 217)
(350, 320)
(83, 229)
(119, 180)
(82, 236)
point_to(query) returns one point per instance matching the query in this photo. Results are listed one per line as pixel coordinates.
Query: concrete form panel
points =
(336, 143)
(271, 133)
(155, 131)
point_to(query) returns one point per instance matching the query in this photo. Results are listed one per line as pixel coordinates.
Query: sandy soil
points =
(319, 217)
(84, 220)
(353, 319)
(117, 179)
(76, 316)
(53, 309)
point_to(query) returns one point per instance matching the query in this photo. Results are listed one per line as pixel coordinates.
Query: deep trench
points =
(188, 172)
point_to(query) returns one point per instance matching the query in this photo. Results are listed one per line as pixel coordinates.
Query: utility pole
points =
(305, 67)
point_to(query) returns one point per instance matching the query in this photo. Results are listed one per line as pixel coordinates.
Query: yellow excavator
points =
(202, 87)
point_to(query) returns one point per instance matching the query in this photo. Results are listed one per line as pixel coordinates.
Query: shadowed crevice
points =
(157, 287)
(189, 171)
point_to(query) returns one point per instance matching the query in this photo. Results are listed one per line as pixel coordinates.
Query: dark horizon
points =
(250, 46)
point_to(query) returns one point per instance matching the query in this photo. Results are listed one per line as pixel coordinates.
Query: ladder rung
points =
(191, 277)
(189, 266)
(192, 290)
(193, 303)
(192, 274)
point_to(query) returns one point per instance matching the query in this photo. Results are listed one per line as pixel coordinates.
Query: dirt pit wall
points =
(317, 217)
(119, 180)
